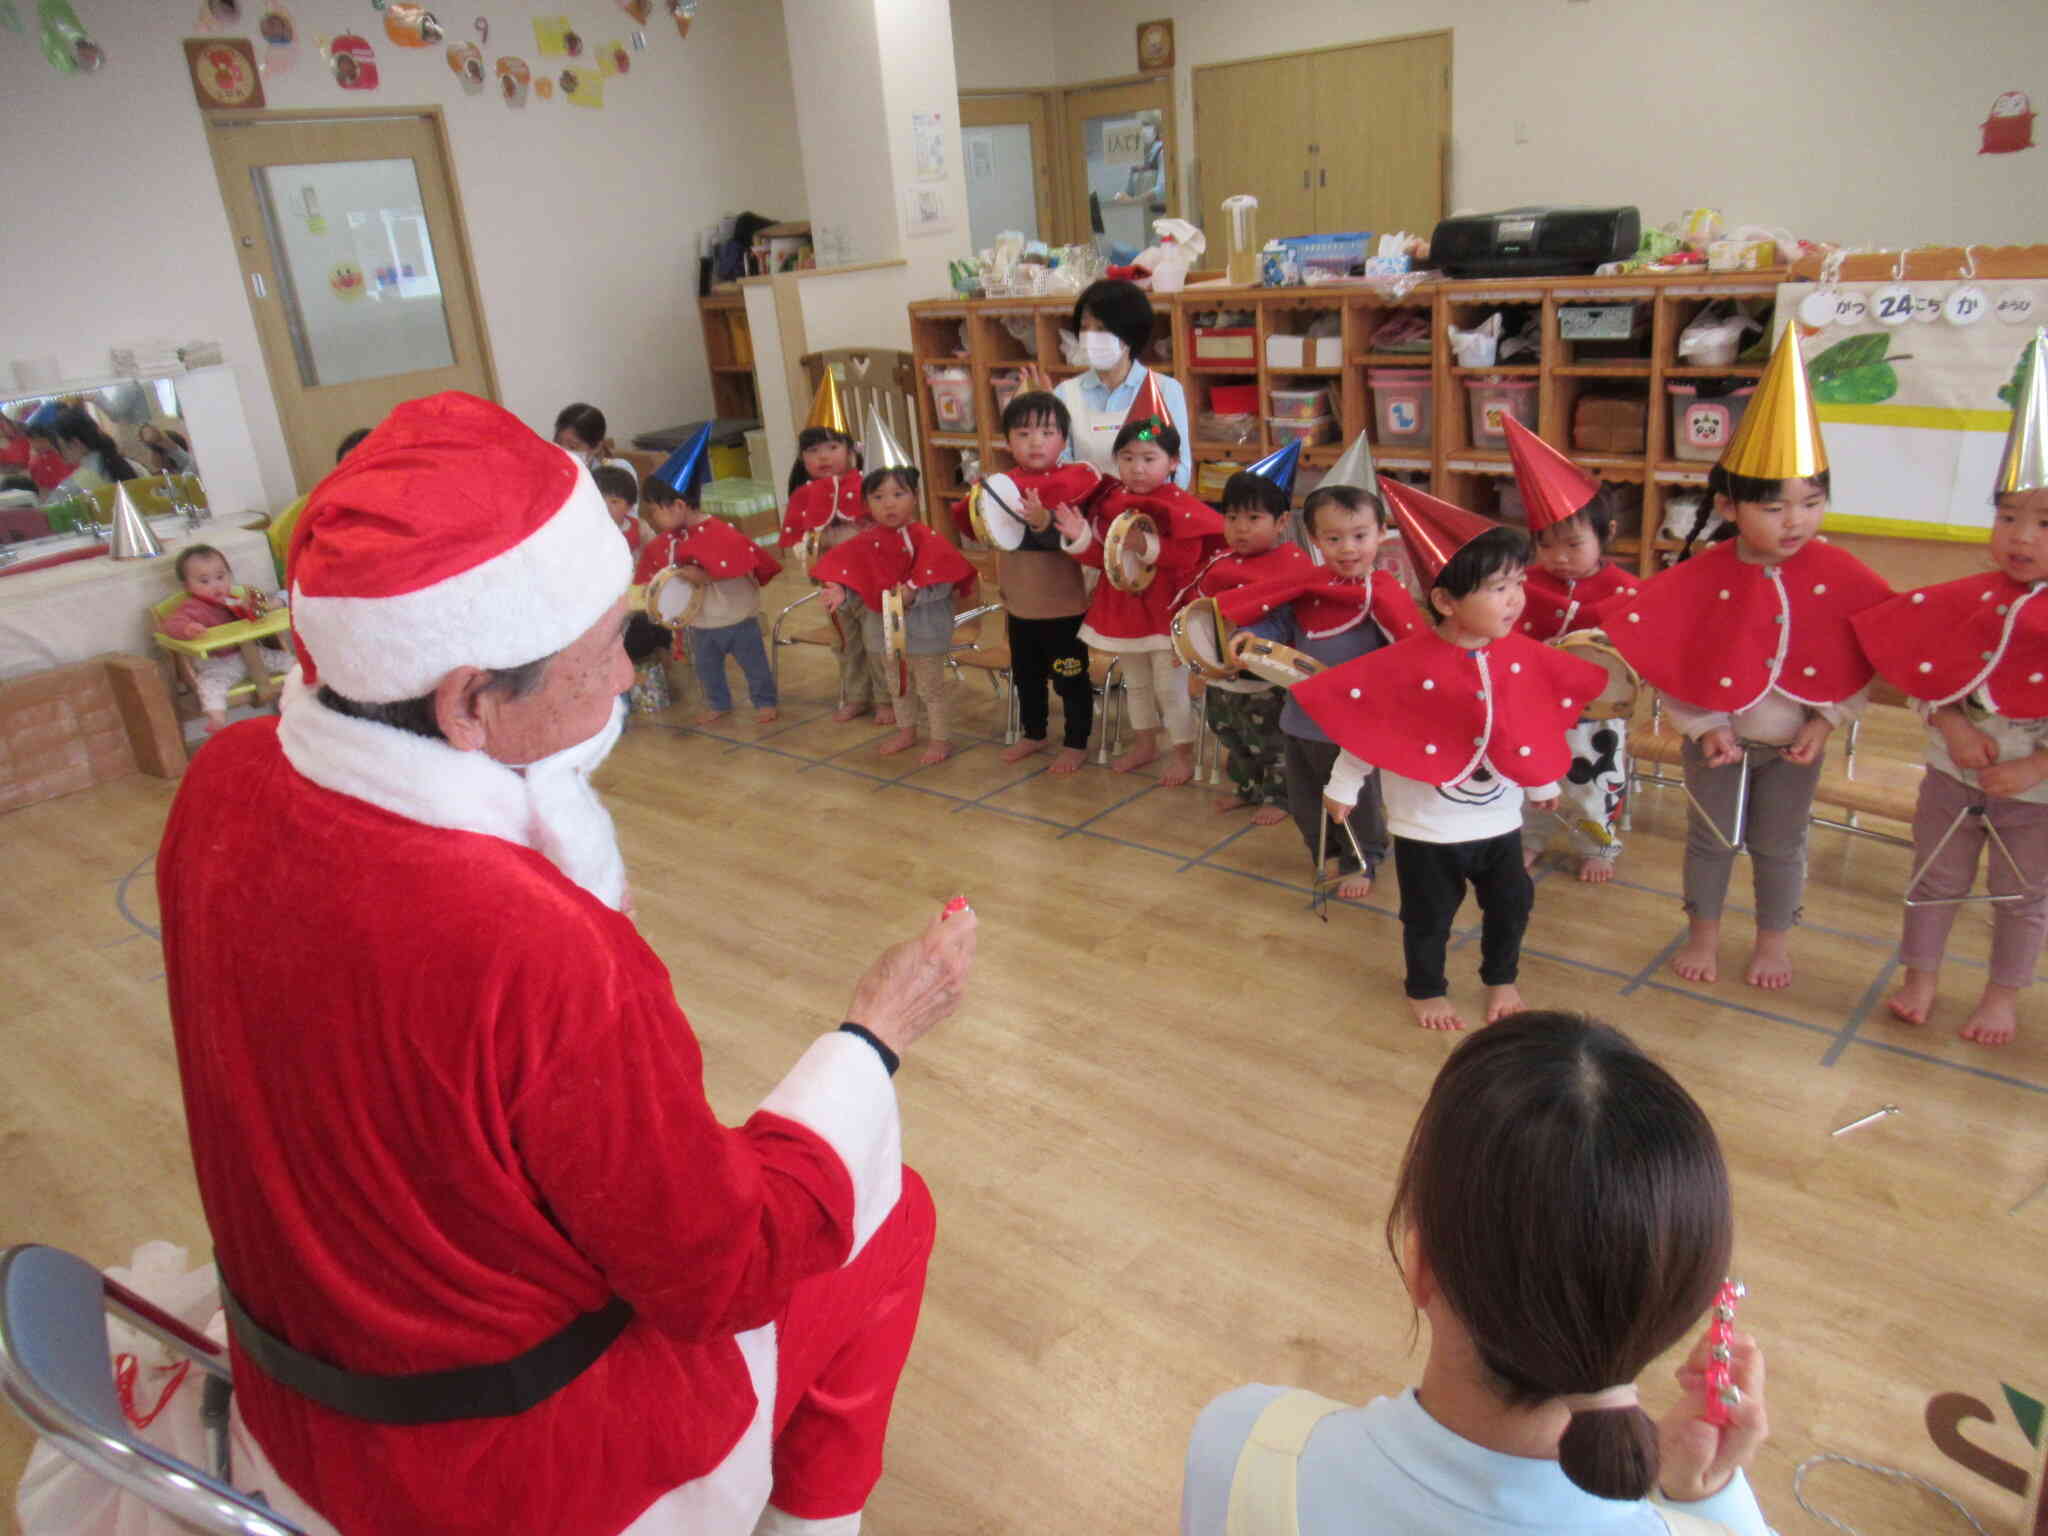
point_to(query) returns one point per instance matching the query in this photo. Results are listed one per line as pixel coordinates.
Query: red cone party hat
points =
(1148, 408)
(1432, 530)
(1553, 487)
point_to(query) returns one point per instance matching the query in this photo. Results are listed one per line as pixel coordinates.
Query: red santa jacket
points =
(1430, 710)
(1984, 633)
(816, 502)
(1189, 533)
(1558, 607)
(1227, 570)
(486, 1118)
(1326, 604)
(48, 470)
(1718, 632)
(879, 558)
(721, 549)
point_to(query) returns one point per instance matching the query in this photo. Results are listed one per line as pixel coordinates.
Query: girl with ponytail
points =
(1561, 1218)
(94, 459)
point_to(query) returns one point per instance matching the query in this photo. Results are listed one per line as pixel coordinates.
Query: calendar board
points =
(1907, 380)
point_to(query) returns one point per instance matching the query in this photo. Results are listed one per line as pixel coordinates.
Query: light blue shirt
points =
(1086, 395)
(1389, 1467)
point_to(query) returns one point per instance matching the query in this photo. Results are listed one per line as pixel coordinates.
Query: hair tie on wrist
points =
(1623, 1396)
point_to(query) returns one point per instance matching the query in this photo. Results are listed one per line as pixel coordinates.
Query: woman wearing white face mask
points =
(1114, 321)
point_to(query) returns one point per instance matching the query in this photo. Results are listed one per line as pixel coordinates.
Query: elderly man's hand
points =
(916, 983)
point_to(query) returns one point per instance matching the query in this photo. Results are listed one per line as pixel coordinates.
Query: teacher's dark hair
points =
(1121, 309)
(417, 715)
(74, 423)
(1571, 1201)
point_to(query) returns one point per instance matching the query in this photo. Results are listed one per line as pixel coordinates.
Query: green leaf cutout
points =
(2011, 393)
(1854, 372)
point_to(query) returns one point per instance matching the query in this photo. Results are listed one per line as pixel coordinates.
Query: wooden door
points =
(1131, 178)
(356, 267)
(992, 128)
(1253, 126)
(1382, 133)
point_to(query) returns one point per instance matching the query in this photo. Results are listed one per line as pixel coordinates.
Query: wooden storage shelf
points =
(1725, 371)
(729, 355)
(1391, 360)
(1303, 373)
(1639, 370)
(1501, 370)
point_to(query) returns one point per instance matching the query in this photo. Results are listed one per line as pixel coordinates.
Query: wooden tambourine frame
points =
(994, 514)
(1593, 645)
(1195, 624)
(1120, 564)
(661, 589)
(896, 635)
(1274, 662)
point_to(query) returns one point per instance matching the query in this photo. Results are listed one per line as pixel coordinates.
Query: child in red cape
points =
(898, 551)
(1136, 625)
(732, 568)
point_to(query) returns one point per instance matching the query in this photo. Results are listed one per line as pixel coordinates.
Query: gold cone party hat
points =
(2025, 465)
(133, 538)
(882, 451)
(1779, 438)
(827, 410)
(1354, 468)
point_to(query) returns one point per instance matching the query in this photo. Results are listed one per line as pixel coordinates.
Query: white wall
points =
(583, 223)
(835, 60)
(1849, 120)
(1002, 43)
(916, 38)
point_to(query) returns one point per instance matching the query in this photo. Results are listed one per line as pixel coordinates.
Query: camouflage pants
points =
(1248, 725)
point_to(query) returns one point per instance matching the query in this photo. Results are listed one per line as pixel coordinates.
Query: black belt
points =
(494, 1391)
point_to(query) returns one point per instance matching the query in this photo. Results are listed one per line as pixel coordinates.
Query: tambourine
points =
(670, 599)
(1121, 562)
(895, 635)
(1201, 639)
(1720, 1390)
(811, 546)
(1275, 662)
(996, 508)
(1617, 699)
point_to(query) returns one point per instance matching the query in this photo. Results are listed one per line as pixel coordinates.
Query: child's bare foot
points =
(934, 753)
(1068, 760)
(1355, 886)
(902, 741)
(1269, 815)
(712, 716)
(1223, 805)
(1995, 1019)
(884, 715)
(1915, 998)
(1530, 856)
(846, 712)
(1139, 755)
(1180, 767)
(1699, 957)
(1770, 963)
(1435, 1013)
(1596, 871)
(1502, 1001)
(1023, 747)
(767, 716)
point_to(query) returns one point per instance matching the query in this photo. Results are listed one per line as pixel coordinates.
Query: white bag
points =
(160, 1394)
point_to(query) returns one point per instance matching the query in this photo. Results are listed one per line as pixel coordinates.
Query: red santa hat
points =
(1432, 530)
(1553, 487)
(453, 536)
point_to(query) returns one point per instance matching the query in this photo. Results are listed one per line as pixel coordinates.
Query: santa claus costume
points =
(825, 511)
(494, 1264)
(930, 573)
(1594, 790)
(1973, 656)
(1462, 727)
(1333, 619)
(1135, 625)
(1755, 645)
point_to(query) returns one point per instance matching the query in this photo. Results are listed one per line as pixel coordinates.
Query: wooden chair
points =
(260, 688)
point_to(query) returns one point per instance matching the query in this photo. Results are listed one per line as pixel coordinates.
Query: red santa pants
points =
(840, 1347)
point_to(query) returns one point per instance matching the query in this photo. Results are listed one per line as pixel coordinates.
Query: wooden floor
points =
(1162, 1133)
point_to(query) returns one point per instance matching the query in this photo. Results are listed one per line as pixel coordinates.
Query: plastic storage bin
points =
(1616, 424)
(1308, 431)
(1226, 344)
(952, 398)
(1236, 429)
(1494, 399)
(1702, 429)
(1402, 405)
(1289, 404)
(1234, 399)
(1287, 351)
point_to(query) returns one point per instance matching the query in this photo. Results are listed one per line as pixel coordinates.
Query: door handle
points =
(1304, 180)
(257, 284)
(1322, 178)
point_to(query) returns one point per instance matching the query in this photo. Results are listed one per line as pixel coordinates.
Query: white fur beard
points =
(571, 827)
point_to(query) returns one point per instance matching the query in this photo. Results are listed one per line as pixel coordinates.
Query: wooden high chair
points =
(259, 688)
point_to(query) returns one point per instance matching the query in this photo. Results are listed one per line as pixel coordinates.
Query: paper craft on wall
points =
(926, 211)
(467, 61)
(928, 140)
(411, 25)
(280, 40)
(224, 72)
(2010, 127)
(345, 279)
(65, 45)
(483, 29)
(582, 86)
(544, 87)
(613, 59)
(353, 61)
(554, 38)
(218, 15)
(1907, 380)
(639, 10)
(684, 12)
(514, 80)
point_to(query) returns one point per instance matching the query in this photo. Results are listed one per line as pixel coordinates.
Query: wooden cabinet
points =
(729, 353)
(987, 339)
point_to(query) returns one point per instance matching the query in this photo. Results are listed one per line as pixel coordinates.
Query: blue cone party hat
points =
(689, 466)
(1279, 467)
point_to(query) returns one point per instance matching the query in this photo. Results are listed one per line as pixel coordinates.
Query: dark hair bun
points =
(1610, 1452)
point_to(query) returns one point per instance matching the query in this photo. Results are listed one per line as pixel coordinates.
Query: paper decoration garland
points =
(583, 86)
(639, 10)
(467, 61)
(544, 87)
(65, 44)
(684, 12)
(411, 25)
(554, 38)
(224, 72)
(353, 61)
(613, 59)
(514, 80)
(280, 36)
(218, 15)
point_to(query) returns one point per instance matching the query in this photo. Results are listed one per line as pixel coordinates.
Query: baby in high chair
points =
(214, 599)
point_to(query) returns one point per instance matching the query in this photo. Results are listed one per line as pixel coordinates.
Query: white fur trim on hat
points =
(518, 606)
